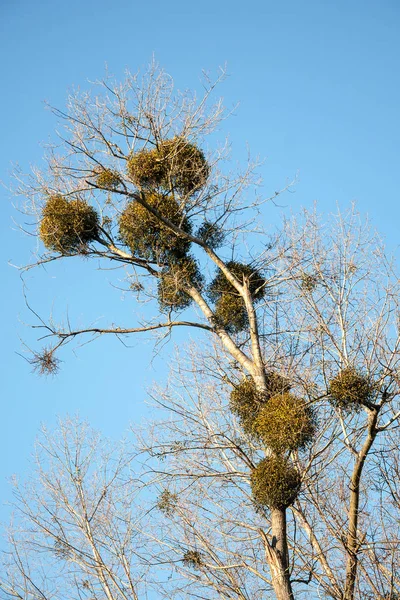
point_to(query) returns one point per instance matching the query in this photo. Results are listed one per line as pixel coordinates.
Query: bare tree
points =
(306, 327)
(75, 533)
(337, 343)
(135, 153)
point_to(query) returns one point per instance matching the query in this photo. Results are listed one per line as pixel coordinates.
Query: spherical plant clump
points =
(67, 226)
(246, 402)
(308, 282)
(174, 279)
(350, 389)
(285, 423)
(275, 483)
(230, 313)
(146, 168)
(276, 383)
(174, 165)
(211, 234)
(221, 286)
(167, 502)
(107, 179)
(193, 558)
(186, 165)
(147, 236)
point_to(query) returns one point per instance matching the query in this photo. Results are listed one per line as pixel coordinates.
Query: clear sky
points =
(318, 86)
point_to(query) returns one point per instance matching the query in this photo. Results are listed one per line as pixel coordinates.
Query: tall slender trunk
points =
(277, 555)
(353, 542)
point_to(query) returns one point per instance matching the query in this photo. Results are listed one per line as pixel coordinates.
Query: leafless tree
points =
(338, 312)
(74, 532)
(306, 332)
(135, 153)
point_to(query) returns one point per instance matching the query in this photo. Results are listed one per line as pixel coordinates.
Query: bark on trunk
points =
(353, 542)
(277, 555)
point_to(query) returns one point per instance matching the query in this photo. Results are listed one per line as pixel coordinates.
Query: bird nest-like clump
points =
(173, 281)
(175, 165)
(285, 423)
(230, 311)
(247, 402)
(67, 226)
(167, 502)
(45, 362)
(147, 236)
(193, 558)
(275, 383)
(107, 179)
(275, 483)
(221, 286)
(211, 234)
(308, 282)
(350, 389)
(146, 168)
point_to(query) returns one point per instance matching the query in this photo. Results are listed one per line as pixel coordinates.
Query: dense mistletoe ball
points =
(167, 502)
(107, 179)
(230, 313)
(67, 226)
(174, 165)
(247, 402)
(211, 234)
(193, 558)
(308, 282)
(187, 167)
(147, 236)
(221, 286)
(275, 483)
(350, 389)
(146, 168)
(174, 279)
(276, 383)
(285, 423)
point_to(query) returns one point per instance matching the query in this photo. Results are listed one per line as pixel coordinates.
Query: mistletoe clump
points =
(275, 383)
(211, 234)
(186, 165)
(67, 226)
(350, 389)
(275, 483)
(146, 168)
(174, 165)
(230, 311)
(193, 558)
(308, 282)
(285, 423)
(147, 236)
(173, 281)
(167, 502)
(107, 179)
(220, 285)
(247, 402)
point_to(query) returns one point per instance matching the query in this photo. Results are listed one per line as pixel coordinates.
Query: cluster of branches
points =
(275, 468)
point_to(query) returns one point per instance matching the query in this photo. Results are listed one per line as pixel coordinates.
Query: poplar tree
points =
(135, 184)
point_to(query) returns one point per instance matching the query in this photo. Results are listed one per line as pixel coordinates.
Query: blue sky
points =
(318, 87)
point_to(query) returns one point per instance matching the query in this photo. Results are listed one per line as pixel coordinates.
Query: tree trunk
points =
(277, 555)
(353, 543)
